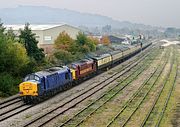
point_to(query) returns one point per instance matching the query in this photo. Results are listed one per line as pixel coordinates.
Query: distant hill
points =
(44, 15)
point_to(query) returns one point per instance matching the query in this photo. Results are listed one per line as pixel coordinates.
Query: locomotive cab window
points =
(32, 77)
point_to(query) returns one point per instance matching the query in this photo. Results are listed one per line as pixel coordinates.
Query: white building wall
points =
(50, 35)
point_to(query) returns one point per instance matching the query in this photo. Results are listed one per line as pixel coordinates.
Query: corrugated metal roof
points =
(34, 26)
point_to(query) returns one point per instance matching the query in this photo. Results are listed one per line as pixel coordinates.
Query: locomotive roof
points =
(83, 61)
(115, 52)
(121, 47)
(101, 56)
(52, 70)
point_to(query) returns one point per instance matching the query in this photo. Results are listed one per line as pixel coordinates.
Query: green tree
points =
(8, 84)
(2, 37)
(64, 56)
(10, 35)
(85, 44)
(91, 43)
(13, 58)
(18, 58)
(81, 39)
(1, 27)
(27, 38)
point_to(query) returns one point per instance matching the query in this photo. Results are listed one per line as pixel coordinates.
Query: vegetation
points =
(68, 50)
(27, 38)
(13, 58)
(18, 57)
(105, 40)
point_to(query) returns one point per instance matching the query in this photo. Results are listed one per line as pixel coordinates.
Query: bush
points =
(8, 84)
(64, 56)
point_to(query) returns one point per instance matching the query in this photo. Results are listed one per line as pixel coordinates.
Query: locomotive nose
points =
(28, 89)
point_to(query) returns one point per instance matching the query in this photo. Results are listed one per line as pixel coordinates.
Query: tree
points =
(64, 41)
(105, 40)
(81, 39)
(2, 37)
(10, 35)
(1, 27)
(64, 56)
(94, 40)
(13, 60)
(18, 58)
(68, 50)
(27, 38)
(91, 43)
(85, 44)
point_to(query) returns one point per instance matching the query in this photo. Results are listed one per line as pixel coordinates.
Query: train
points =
(42, 84)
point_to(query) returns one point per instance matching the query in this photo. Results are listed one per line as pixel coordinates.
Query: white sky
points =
(152, 12)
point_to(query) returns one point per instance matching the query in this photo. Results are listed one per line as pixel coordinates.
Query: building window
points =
(47, 38)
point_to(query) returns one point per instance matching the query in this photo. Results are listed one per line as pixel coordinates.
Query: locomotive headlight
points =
(20, 92)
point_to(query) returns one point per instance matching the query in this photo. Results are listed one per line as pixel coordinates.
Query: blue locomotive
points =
(44, 83)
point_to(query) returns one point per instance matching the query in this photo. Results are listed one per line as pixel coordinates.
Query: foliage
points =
(27, 38)
(68, 50)
(94, 40)
(92, 43)
(64, 56)
(85, 44)
(63, 41)
(13, 58)
(8, 84)
(10, 35)
(105, 40)
(81, 39)
(13, 62)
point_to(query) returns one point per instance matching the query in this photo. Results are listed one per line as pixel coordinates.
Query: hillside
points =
(44, 15)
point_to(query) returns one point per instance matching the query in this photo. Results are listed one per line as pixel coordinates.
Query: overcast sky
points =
(152, 12)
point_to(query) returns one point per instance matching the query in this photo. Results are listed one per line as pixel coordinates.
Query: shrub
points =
(8, 84)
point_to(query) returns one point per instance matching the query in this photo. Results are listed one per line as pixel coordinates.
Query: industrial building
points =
(46, 34)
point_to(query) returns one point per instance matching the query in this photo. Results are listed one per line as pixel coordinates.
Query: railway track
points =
(166, 102)
(161, 114)
(141, 101)
(64, 106)
(138, 92)
(11, 107)
(70, 121)
(9, 100)
(134, 106)
(14, 112)
(19, 107)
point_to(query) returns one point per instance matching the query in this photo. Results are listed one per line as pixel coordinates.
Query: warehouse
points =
(46, 34)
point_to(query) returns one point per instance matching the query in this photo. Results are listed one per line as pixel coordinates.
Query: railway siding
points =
(171, 115)
(143, 109)
(126, 114)
(156, 113)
